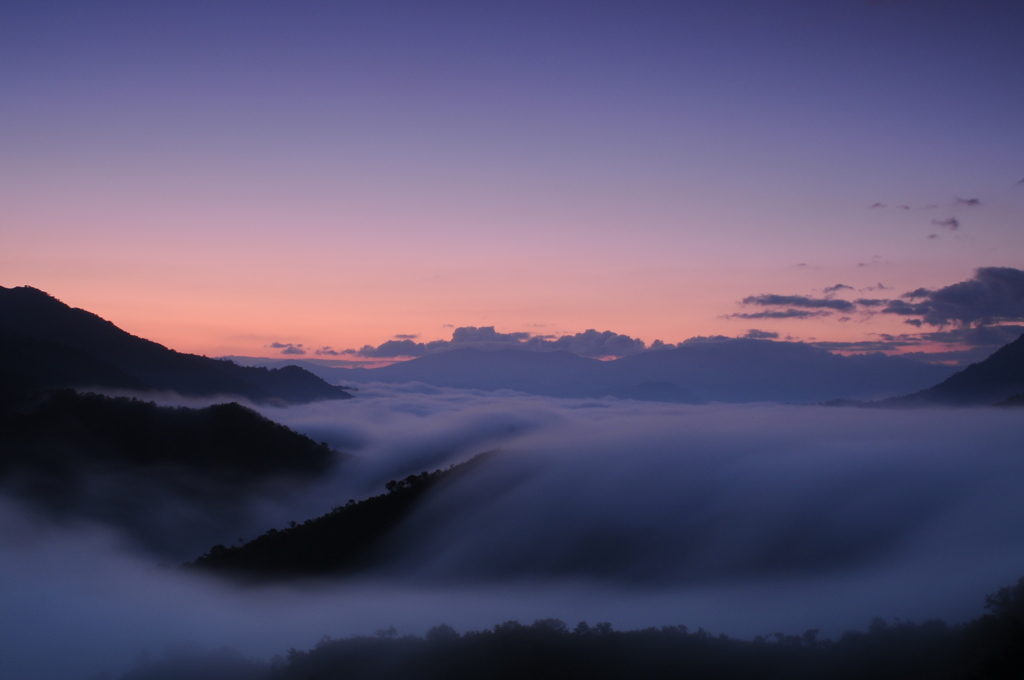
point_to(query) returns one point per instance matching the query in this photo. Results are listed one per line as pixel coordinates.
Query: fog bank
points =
(741, 519)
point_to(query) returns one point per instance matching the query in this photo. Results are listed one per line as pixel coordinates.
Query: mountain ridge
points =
(731, 370)
(87, 350)
(997, 379)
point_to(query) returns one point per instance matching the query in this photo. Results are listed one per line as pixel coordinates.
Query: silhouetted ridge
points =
(33, 322)
(700, 370)
(135, 465)
(999, 378)
(342, 541)
(986, 648)
(28, 365)
(91, 428)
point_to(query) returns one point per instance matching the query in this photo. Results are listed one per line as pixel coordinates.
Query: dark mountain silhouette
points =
(28, 365)
(998, 379)
(168, 477)
(346, 540)
(721, 369)
(50, 344)
(987, 647)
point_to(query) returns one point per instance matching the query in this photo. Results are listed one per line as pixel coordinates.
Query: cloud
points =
(798, 301)
(877, 286)
(980, 336)
(589, 343)
(658, 345)
(781, 314)
(836, 288)
(969, 202)
(871, 302)
(390, 349)
(755, 334)
(994, 295)
(407, 336)
(743, 520)
(288, 347)
(875, 260)
(328, 351)
(953, 223)
(467, 335)
(877, 205)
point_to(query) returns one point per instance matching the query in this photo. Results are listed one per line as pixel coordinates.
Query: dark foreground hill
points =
(997, 379)
(344, 541)
(47, 344)
(986, 648)
(170, 478)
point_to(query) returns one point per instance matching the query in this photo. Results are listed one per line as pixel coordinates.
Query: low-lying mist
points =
(741, 519)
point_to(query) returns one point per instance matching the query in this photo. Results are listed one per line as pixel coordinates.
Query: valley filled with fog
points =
(742, 519)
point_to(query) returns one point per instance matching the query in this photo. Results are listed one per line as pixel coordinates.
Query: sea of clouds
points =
(742, 519)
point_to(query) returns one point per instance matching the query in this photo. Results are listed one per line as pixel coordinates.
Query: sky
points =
(241, 178)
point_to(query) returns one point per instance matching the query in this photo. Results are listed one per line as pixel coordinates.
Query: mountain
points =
(554, 374)
(47, 344)
(348, 539)
(172, 479)
(1000, 378)
(746, 370)
(723, 370)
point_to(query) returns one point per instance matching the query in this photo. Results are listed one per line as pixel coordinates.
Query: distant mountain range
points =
(720, 370)
(46, 344)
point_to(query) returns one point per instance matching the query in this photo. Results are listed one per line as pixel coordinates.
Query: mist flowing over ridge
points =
(744, 519)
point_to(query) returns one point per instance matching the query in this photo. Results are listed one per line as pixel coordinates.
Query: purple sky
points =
(223, 176)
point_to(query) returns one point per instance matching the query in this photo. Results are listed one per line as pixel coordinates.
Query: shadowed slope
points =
(343, 541)
(32, 322)
(1000, 378)
(170, 478)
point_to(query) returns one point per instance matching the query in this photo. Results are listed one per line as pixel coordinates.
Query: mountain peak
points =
(34, 324)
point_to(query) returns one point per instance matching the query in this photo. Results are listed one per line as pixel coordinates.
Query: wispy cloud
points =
(288, 347)
(780, 314)
(772, 300)
(755, 334)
